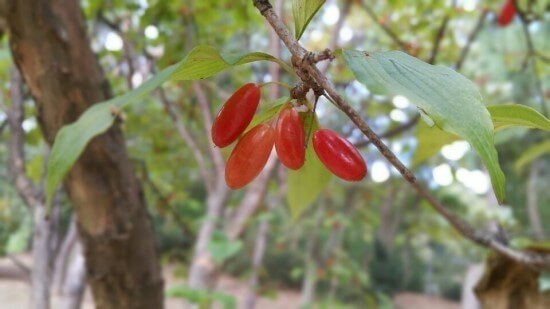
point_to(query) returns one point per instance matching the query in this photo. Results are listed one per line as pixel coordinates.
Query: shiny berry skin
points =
(339, 155)
(507, 13)
(249, 156)
(235, 115)
(290, 139)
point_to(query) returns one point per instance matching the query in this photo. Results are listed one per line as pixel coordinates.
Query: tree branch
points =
(439, 37)
(393, 132)
(313, 75)
(402, 45)
(126, 45)
(206, 113)
(532, 56)
(471, 39)
(187, 137)
(16, 152)
(323, 67)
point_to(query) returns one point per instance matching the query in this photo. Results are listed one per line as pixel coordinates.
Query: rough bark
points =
(50, 47)
(509, 284)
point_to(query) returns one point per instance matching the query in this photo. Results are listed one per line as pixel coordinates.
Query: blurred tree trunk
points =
(74, 285)
(69, 280)
(201, 272)
(43, 256)
(51, 48)
(532, 200)
(45, 232)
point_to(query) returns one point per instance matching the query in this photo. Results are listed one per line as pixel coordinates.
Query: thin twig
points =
(187, 137)
(531, 57)
(162, 198)
(402, 45)
(126, 46)
(25, 187)
(336, 33)
(466, 230)
(471, 39)
(204, 106)
(439, 37)
(394, 131)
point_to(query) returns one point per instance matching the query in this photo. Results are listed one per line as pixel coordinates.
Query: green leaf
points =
(201, 62)
(505, 116)
(305, 184)
(268, 113)
(531, 154)
(221, 248)
(205, 61)
(19, 240)
(430, 141)
(203, 298)
(303, 11)
(450, 100)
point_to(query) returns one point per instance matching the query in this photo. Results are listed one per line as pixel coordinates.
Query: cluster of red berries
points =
(252, 151)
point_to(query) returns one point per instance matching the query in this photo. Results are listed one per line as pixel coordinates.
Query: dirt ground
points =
(14, 292)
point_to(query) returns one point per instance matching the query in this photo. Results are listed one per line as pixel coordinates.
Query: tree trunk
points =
(51, 48)
(42, 256)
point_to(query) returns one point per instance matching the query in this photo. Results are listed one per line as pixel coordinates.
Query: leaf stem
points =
(287, 86)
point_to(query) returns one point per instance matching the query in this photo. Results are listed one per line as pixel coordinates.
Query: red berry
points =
(290, 139)
(249, 156)
(339, 155)
(235, 115)
(507, 13)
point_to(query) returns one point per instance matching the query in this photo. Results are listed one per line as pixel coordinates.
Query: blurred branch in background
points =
(45, 234)
(402, 45)
(532, 56)
(440, 35)
(471, 39)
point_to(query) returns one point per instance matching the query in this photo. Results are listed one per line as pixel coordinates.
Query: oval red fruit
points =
(249, 156)
(507, 13)
(235, 115)
(339, 155)
(290, 139)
